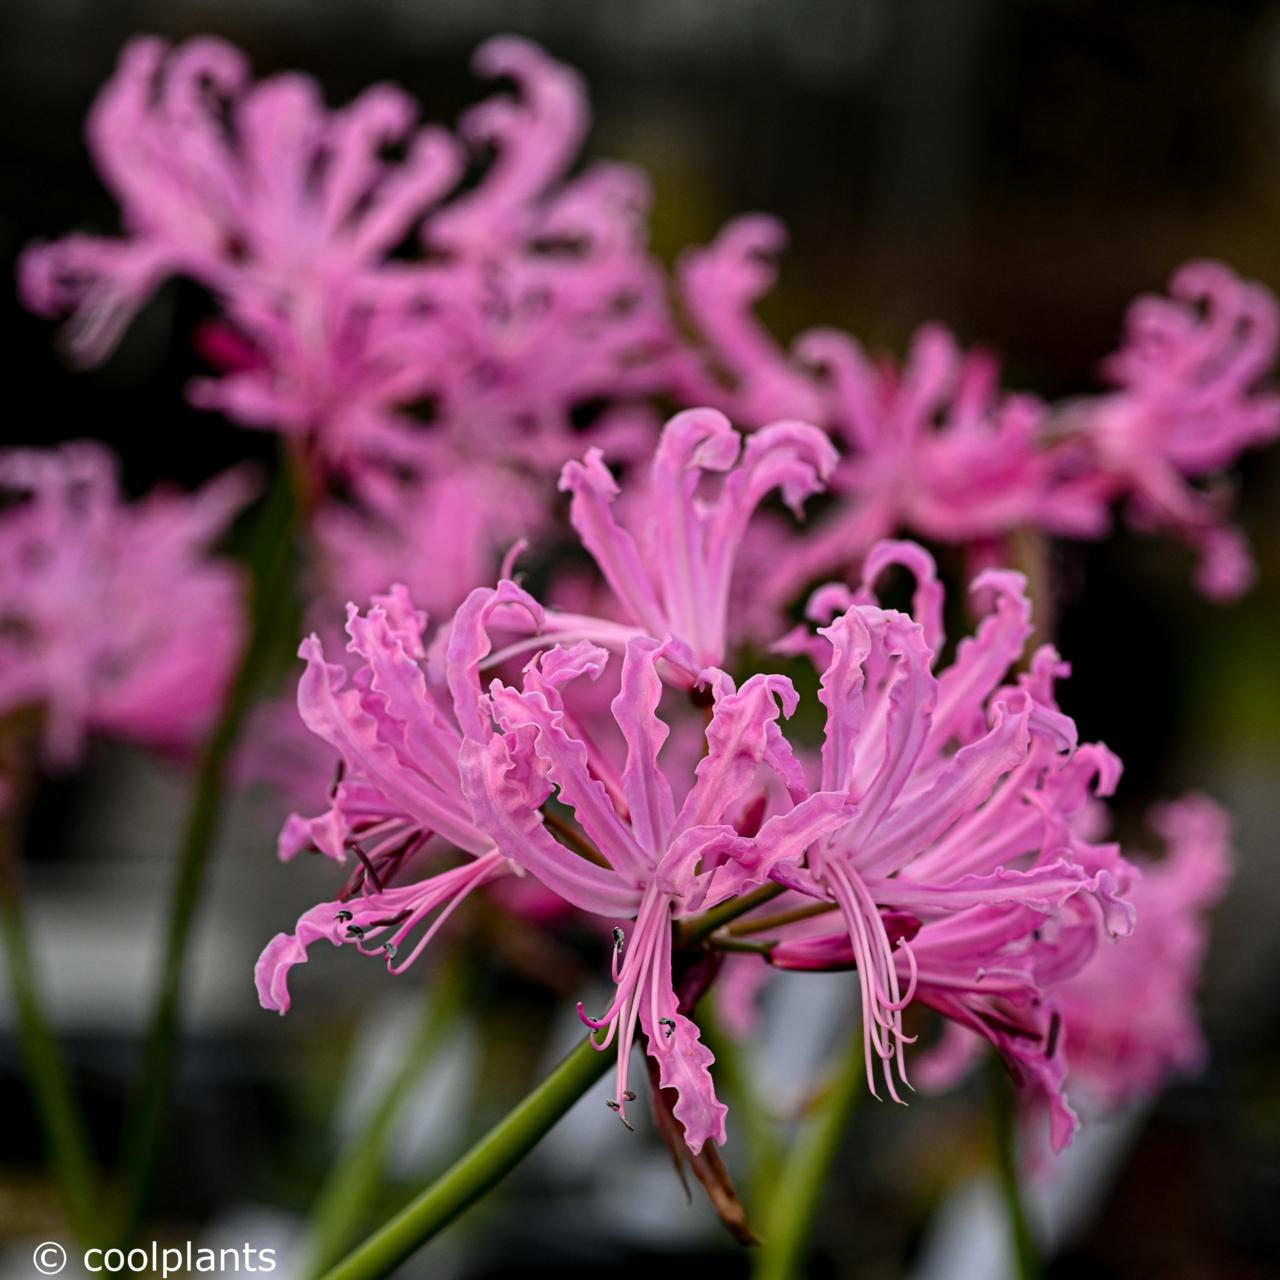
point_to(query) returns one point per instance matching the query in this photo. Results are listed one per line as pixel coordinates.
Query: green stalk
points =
(477, 1172)
(759, 1131)
(61, 1122)
(271, 560)
(800, 1182)
(1004, 1141)
(356, 1177)
(511, 1139)
(699, 928)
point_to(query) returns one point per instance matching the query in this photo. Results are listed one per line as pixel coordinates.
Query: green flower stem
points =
(272, 560)
(718, 942)
(750, 1114)
(573, 837)
(802, 1177)
(356, 1177)
(509, 1141)
(699, 928)
(477, 1172)
(1004, 1141)
(56, 1109)
(766, 924)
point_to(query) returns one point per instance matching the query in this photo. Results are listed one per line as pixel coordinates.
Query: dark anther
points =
(390, 949)
(618, 939)
(629, 1096)
(354, 931)
(364, 860)
(668, 1025)
(344, 916)
(1051, 1040)
(389, 922)
(614, 1106)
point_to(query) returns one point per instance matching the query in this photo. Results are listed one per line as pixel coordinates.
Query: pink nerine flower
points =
(439, 535)
(959, 878)
(398, 795)
(538, 294)
(671, 577)
(284, 210)
(1186, 405)
(655, 856)
(547, 299)
(1129, 1017)
(933, 446)
(114, 618)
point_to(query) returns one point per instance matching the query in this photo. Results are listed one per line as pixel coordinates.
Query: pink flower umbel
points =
(933, 447)
(526, 297)
(114, 617)
(958, 872)
(547, 298)
(398, 796)
(1187, 403)
(1129, 1017)
(647, 856)
(285, 211)
(671, 571)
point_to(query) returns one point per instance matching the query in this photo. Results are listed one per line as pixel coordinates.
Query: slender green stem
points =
(356, 1177)
(759, 1130)
(765, 924)
(271, 558)
(59, 1116)
(789, 1219)
(721, 942)
(701, 927)
(1004, 1141)
(573, 837)
(477, 1172)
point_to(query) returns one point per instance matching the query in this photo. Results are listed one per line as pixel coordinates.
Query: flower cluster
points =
(418, 351)
(935, 448)
(1129, 1016)
(431, 348)
(439, 323)
(114, 618)
(1186, 403)
(945, 825)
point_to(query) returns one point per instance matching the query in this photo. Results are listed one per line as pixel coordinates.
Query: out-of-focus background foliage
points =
(1017, 169)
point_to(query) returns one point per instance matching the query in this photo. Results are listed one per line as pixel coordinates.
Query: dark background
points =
(1019, 170)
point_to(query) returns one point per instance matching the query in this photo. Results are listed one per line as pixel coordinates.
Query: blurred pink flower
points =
(1187, 403)
(1129, 1016)
(532, 293)
(285, 211)
(440, 535)
(932, 447)
(114, 617)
